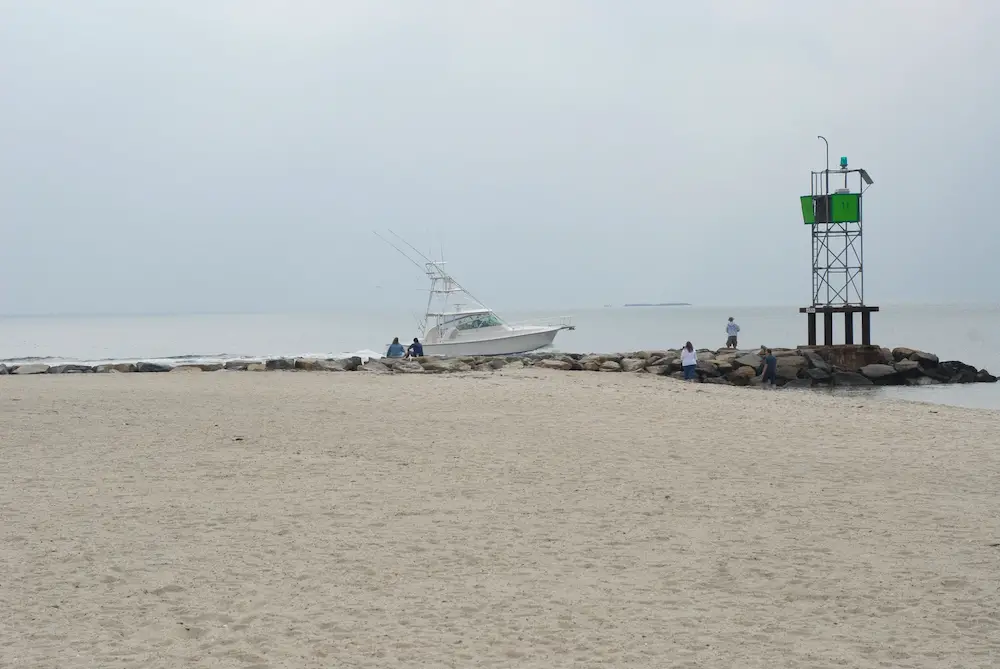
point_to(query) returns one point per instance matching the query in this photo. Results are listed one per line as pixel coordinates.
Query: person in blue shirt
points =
(416, 349)
(396, 349)
(770, 366)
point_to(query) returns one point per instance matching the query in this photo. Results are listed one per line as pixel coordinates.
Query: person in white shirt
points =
(732, 329)
(689, 361)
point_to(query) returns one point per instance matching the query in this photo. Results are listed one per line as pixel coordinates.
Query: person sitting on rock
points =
(416, 349)
(396, 349)
(769, 368)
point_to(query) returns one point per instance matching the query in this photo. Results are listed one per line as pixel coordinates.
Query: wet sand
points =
(524, 519)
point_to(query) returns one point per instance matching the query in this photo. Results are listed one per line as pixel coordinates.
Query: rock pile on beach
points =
(798, 368)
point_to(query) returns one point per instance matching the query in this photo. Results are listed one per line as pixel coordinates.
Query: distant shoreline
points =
(659, 304)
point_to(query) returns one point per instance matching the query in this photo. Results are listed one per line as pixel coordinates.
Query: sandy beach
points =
(529, 519)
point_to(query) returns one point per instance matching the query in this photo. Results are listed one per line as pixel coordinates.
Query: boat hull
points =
(511, 344)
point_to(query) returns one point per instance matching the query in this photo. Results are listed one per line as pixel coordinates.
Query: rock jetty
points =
(802, 367)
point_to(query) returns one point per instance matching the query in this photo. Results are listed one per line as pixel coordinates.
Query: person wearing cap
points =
(732, 329)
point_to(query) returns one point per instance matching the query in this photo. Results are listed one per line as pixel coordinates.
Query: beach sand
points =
(524, 519)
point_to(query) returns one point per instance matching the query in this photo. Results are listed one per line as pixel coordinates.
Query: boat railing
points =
(552, 321)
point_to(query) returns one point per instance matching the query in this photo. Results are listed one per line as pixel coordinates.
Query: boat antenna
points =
(450, 278)
(401, 251)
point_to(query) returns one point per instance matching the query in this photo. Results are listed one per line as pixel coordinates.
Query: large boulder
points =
(324, 365)
(591, 366)
(497, 363)
(152, 367)
(256, 367)
(902, 353)
(705, 355)
(789, 366)
(907, 368)
(553, 363)
(115, 367)
(749, 360)
(982, 376)
(707, 369)
(881, 375)
(238, 365)
(610, 366)
(4, 370)
(374, 366)
(633, 364)
(279, 364)
(181, 369)
(658, 370)
(31, 368)
(71, 369)
(924, 359)
(818, 375)
(444, 365)
(742, 376)
(816, 361)
(201, 366)
(850, 379)
(959, 371)
(409, 367)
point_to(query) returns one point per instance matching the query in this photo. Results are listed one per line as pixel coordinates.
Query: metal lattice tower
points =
(834, 213)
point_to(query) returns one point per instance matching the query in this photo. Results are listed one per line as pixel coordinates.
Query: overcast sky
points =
(194, 155)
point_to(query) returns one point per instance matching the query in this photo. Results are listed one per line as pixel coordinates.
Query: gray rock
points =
(723, 366)
(850, 379)
(818, 375)
(71, 369)
(742, 376)
(706, 369)
(749, 360)
(31, 368)
(907, 368)
(789, 366)
(902, 353)
(115, 367)
(799, 383)
(705, 355)
(444, 365)
(181, 369)
(408, 367)
(497, 363)
(610, 366)
(276, 364)
(201, 366)
(552, 363)
(591, 366)
(149, 367)
(256, 367)
(982, 376)
(658, 370)
(633, 364)
(881, 374)
(924, 359)
(4, 370)
(816, 361)
(238, 365)
(374, 366)
(317, 365)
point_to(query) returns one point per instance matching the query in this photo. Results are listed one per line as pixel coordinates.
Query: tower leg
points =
(828, 328)
(848, 327)
(811, 318)
(866, 328)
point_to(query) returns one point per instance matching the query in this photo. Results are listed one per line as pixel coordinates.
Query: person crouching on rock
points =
(689, 361)
(769, 368)
(396, 349)
(415, 350)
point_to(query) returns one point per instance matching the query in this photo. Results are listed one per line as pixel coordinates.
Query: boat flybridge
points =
(457, 324)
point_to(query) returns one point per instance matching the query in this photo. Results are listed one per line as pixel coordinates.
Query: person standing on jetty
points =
(396, 349)
(689, 361)
(732, 329)
(769, 369)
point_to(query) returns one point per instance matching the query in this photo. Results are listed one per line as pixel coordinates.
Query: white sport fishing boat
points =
(465, 326)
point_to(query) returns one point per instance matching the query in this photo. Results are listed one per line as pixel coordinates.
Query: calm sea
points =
(967, 333)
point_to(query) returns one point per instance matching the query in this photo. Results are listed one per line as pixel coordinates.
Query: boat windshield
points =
(476, 321)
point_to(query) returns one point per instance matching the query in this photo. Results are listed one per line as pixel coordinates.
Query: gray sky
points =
(193, 155)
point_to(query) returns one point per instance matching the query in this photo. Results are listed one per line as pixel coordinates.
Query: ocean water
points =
(954, 332)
